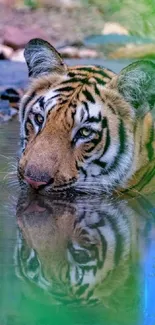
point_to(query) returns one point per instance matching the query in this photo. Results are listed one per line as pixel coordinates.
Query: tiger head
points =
(78, 124)
(77, 250)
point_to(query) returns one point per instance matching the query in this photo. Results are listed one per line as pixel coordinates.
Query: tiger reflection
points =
(79, 249)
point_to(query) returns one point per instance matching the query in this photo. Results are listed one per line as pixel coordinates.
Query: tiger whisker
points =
(4, 156)
(10, 175)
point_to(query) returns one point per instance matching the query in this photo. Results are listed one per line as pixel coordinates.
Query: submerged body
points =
(85, 127)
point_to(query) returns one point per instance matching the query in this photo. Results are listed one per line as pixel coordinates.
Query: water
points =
(75, 260)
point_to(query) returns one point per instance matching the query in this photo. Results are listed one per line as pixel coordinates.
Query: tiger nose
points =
(33, 183)
(37, 178)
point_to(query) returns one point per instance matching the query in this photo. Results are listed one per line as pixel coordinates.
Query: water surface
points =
(79, 260)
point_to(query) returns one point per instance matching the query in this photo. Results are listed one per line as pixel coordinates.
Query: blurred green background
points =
(137, 16)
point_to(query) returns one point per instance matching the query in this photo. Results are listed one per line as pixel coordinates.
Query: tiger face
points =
(77, 130)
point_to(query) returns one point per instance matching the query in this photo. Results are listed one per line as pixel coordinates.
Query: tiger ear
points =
(136, 83)
(42, 58)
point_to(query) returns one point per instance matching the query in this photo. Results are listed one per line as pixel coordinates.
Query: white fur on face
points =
(94, 111)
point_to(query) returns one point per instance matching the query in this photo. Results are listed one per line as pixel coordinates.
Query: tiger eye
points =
(39, 119)
(85, 132)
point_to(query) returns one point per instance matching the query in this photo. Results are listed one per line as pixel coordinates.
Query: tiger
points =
(82, 251)
(85, 128)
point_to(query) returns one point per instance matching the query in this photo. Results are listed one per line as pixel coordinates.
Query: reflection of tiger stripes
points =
(96, 253)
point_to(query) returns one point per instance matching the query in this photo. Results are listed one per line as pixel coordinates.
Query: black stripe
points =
(107, 142)
(119, 247)
(53, 106)
(111, 108)
(100, 81)
(26, 129)
(94, 119)
(84, 232)
(97, 92)
(77, 167)
(82, 289)
(82, 216)
(41, 102)
(145, 179)
(94, 269)
(100, 263)
(36, 101)
(122, 137)
(90, 294)
(92, 70)
(26, 102)
(100, 223)
(86, 107)
(50, 100)
(104, 123)
(22, 140)
(65, 89)
(94, 143)
(82, 115)
(71, 74)
(76, 80)
(151, 101)
(122, 140)
(71, 104)
(83, 172)
(63, 101)
(119, 238)
(73, 115)
(93, 301)
(149, 145)
(88, 95)
(99, 163)
(72, 80)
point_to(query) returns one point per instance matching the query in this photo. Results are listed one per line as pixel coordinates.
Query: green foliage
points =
(33, 4)
(137, 16)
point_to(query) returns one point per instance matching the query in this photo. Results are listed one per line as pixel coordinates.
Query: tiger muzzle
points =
(48, 165)
(37, 179)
